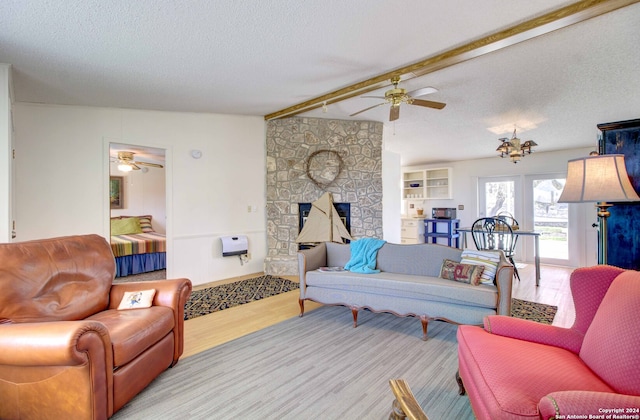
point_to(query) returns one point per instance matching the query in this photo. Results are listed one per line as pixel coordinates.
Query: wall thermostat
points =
(196, 154)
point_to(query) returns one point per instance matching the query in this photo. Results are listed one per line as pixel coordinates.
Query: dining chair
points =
(493, 233)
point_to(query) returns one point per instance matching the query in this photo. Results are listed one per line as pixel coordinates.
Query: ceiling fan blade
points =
(134, 166)
(154, 165)
(377, 97)
(428, 104)
(422, 91)
(366, 109)
(394, 113)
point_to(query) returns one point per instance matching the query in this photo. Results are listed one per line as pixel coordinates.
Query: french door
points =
(533, 201)
(499, 195)
(549, 217)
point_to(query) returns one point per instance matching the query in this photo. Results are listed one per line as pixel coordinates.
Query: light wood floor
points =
(204, 332)
(208, 331)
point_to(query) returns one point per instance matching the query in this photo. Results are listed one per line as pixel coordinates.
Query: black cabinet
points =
(623, 226)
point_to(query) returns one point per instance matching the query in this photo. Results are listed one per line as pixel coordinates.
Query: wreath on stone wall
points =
(323, 167)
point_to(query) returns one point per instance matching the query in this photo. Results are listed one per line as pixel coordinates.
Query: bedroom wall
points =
(62, 176)
(144, 193)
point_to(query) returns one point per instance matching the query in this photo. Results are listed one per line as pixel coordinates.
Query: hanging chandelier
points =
(514, 149)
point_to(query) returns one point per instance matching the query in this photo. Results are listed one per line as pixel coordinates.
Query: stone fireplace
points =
(290, 142)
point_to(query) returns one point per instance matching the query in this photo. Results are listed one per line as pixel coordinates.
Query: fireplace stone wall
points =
(289, 143)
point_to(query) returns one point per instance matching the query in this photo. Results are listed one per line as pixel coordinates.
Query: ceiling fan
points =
(398, 96)
(126, 162)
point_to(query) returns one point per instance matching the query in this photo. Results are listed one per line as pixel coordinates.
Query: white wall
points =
(5, 154)
(465, 182)
(391, 196)
(62, 177)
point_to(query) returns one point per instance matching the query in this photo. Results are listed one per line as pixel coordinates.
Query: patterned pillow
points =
(135, 300)
(465, 273)
(489, 259)
(145, 222)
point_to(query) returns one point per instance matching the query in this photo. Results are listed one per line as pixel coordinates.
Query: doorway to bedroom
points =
(137, 200)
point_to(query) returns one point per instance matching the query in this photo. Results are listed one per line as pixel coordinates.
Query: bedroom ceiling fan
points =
(397, 96)
(126, 162)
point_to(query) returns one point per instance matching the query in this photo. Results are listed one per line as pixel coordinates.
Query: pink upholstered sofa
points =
(517, 369)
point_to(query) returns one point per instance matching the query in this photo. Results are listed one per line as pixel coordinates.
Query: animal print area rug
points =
(539, 312)
(217, 298)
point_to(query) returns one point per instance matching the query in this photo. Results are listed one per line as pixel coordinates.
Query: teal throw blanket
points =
(363, 255)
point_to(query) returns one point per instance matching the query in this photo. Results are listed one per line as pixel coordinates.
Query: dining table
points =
(517, 232)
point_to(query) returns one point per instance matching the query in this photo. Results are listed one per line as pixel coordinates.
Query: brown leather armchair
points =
(65, 349)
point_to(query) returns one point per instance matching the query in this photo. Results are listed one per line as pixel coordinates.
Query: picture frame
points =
(116, 192)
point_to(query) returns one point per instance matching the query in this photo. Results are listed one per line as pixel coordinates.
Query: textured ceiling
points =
(255, 58)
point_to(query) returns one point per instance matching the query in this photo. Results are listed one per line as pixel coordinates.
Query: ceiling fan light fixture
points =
(514, 148)
(123, 167)
(397, 96)
(127, 163)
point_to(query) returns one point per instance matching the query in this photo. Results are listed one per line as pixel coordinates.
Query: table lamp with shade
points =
(601, 179)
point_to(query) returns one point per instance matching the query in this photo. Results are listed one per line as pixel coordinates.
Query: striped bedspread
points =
(140, 243)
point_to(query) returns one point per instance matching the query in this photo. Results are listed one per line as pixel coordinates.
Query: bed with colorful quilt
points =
(136, 247)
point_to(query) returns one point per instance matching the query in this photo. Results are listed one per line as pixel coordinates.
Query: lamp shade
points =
(597, 178)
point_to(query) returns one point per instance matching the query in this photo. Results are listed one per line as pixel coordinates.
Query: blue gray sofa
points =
(408, 284)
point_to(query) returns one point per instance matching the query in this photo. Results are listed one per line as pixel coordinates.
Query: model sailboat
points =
(323, 223)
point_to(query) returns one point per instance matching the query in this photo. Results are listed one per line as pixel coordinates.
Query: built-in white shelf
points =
(427, 184)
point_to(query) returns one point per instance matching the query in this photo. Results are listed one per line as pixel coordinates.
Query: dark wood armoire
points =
(623, 226)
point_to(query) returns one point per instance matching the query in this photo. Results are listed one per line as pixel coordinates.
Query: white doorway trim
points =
(168, 167)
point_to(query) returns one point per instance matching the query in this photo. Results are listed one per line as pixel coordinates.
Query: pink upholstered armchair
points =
(518, 369)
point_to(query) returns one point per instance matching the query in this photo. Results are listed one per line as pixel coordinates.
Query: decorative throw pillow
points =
(136, 300)
(145, 222)
(125, 226)
(489, 259)
(465, 273)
